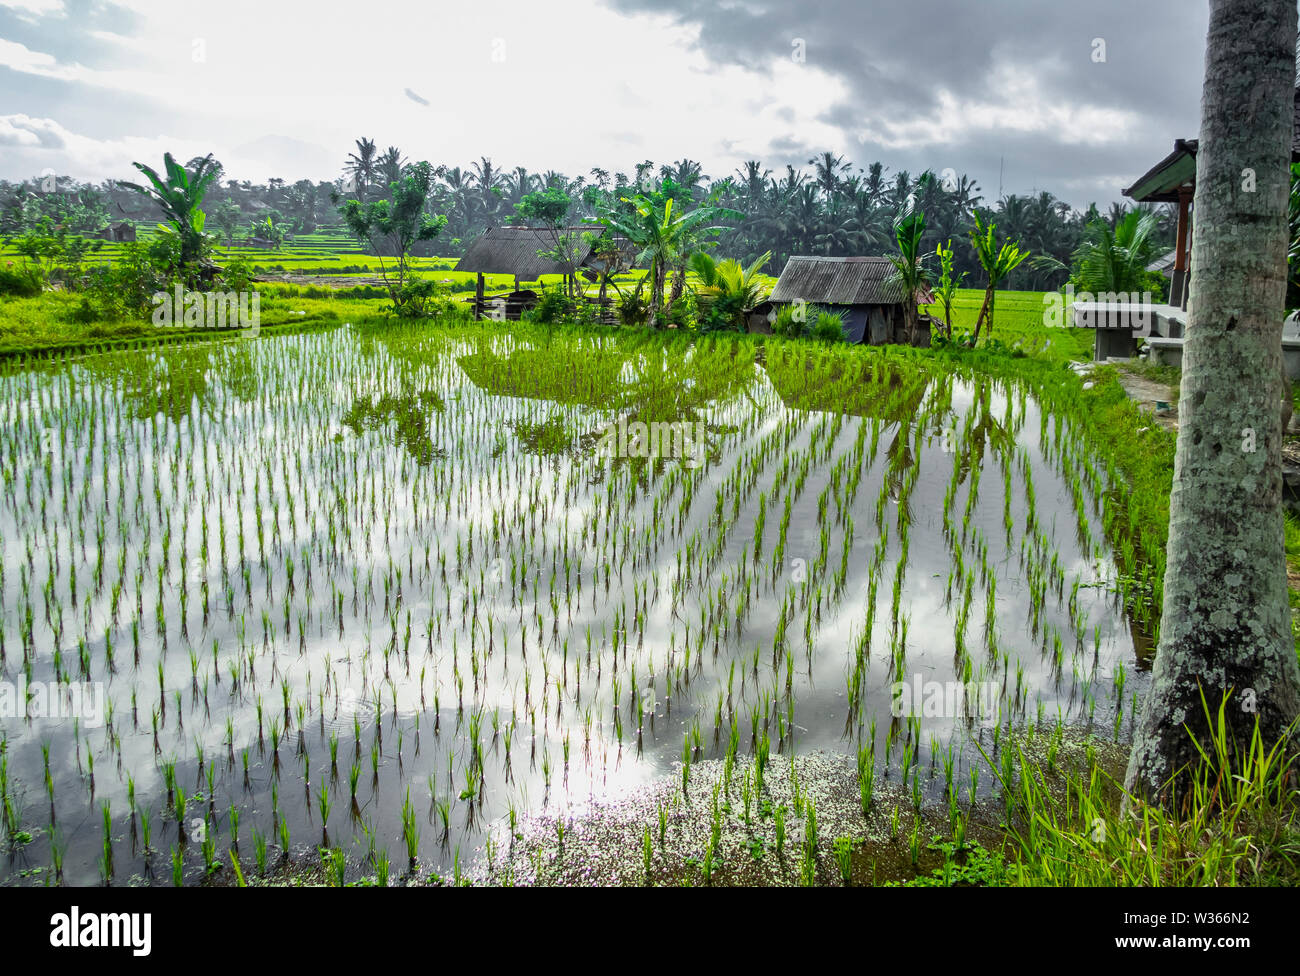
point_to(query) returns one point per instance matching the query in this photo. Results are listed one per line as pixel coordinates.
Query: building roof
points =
(513, 251)
(838, 281)
(1165, 263)
(1160, 183)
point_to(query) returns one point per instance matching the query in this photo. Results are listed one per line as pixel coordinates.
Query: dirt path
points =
(1148, 393)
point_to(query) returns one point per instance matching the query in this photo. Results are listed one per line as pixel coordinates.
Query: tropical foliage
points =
(179, 194)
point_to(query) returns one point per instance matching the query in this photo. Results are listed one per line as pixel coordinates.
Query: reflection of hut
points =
(863, 290)
(591, 380)
(515, 251)
(876, 390)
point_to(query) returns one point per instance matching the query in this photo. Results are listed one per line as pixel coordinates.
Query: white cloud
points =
(32, 9)
(19, 57)
(35, 145)
(502, 81)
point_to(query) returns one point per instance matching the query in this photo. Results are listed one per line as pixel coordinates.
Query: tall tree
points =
(1225, 633)
(392, 225)
(909, 269)
(361, 167)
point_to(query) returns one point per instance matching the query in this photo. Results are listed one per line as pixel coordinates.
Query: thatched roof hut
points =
(513, 251)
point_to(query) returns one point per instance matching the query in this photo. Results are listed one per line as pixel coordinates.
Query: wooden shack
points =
(863, 290)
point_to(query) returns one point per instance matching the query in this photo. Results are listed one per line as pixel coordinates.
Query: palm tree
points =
(1225, 630)
(909, 270)
(729, 283)
(828, 168)
(998, 261)
(949, 282)
(660, 235)
(360, 166)
(487, 182)
(1115, 260)
(390, 165)
(875, 183)
(519, 183)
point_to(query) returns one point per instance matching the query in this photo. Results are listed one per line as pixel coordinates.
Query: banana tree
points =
(179, 197)
(949, 281)
(998, 261)
(661, 236)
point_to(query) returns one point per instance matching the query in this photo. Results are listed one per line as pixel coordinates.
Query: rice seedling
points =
(843, 848)
(259, 851)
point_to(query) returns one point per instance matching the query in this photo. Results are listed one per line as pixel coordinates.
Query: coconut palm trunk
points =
(1225, 629)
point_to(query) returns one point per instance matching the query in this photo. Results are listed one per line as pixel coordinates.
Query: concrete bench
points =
(1169, 352)
(1118, 325)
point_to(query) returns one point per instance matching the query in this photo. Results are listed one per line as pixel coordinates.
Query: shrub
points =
(85, 312)
(685, 312)
(791, 322)
(237, 274)
(125, 287)
(725, 313)
(632, 310)
(20, 282)
(829, 327)
(554, 306)
(417, 298)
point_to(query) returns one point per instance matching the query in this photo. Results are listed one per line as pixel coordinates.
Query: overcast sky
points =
(1078, 99)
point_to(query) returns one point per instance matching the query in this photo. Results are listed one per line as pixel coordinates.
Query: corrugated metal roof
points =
(838, 281)
(513, 251)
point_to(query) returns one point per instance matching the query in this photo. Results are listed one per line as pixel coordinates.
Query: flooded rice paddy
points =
(394, 591)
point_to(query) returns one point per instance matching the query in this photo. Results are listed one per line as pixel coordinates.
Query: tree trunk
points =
(1225, 629)
(979, 319)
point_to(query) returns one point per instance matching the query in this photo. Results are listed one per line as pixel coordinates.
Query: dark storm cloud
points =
(895, 58)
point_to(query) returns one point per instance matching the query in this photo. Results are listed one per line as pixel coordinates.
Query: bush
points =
(125, 287)
(791, 322)
(554, 306)
(632, 310)
(726, 313)
(22, 282)
(417, 298)
(237, 274)
(85, 312)
(829, 327)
